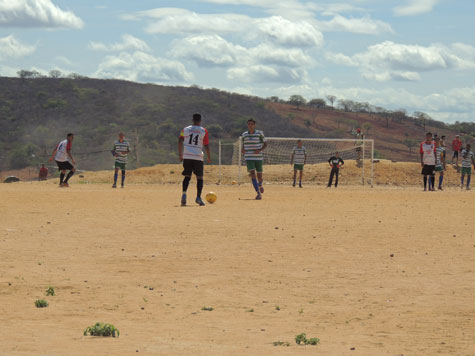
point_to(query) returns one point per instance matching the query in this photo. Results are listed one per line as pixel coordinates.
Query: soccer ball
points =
(211, 197)
(233, 182)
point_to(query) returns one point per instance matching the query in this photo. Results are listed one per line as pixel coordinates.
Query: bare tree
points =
(331, 99)
(366, 127)
(410, 143)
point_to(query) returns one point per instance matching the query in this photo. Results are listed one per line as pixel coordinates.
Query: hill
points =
(37, 113)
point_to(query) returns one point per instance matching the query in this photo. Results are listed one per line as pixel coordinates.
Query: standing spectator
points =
(456, 147)
(335, 163)
(427, 151)
(43, 174)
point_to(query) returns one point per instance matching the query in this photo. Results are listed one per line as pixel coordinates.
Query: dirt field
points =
(385, 271)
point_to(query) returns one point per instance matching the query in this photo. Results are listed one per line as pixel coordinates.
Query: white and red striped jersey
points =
(428, 153)
(62, 151)
(194, 137)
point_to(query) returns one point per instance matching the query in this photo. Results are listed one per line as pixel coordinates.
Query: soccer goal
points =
(358, 155)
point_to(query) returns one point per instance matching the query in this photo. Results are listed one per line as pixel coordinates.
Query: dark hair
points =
(196, 117)
(70, 134)
(251, 120)
(429, 133)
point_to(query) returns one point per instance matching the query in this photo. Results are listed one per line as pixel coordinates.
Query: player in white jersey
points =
(467, 162)
(253, 143)
(120, 151)
(190, 150)
(298, 159)
(427, 151)
(62, 156)
(439, 160)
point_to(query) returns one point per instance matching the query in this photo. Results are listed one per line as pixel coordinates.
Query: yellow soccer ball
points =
(233, 182)
(211, 197)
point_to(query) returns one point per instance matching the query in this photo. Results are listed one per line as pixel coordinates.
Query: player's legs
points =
(462, 178)
(441, 179)
(187, 172)
(336, 177)
(116, 174)
(122, 181)
(70, 174)
(432, 182)
(252, 168)
(198, 169)
(425, 182)
(61, 176)
(295, 177)
(469, 177)
(300, 178)
(260, 179)
(330, 181)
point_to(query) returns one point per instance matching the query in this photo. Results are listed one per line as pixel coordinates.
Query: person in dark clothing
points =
(335, 163)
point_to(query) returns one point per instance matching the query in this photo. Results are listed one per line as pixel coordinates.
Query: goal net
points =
(358, 155)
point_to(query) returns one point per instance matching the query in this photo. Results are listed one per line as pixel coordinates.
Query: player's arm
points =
(206, 145)
(292, 158)
(421, 151)
(330, 162)
(264, 145)
(242, 146)
(53, 154)
(305, 159)
(208, 153)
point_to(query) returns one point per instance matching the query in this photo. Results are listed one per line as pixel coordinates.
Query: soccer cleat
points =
(293, 185)
(300, 186)
(440, 188)
(259, 196)
(183, 200)
(122, 186)
(199, 201)
(468, 188)
(261, 188)
(114, 186)
(65, 185)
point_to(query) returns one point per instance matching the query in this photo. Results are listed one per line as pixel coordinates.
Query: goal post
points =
(357, 153)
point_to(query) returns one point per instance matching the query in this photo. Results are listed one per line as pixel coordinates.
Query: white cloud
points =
(393, 61)
(266, 74)
(36, 13)
(272, 55)
(10, 47)
(415, 7)
(129, 42)
(364, 25)
(142, 67)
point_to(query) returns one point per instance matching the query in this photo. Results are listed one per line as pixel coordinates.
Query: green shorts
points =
(438, 168)
(298, 167)
(120, 165)
(466, 170)
(254, 166)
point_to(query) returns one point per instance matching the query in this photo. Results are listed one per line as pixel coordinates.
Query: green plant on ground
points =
(281, 343)
(41, 303)
(251, 310)
(207, 308)
(277, 307)
(102, 329)
(302, 339)
(50, 291)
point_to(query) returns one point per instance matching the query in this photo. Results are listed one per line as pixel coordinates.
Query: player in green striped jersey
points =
(253, 143)
(467, 162)
(120, 152)
(298, 159)
(439, 161)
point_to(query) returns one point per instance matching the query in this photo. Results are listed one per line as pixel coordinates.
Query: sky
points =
(413, 54)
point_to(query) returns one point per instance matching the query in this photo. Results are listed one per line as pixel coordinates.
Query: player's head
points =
(469, 146)
(121, 136)
(43, 165)
(437, 141)
(429, 136)
(457, 136)
(70, 136)
(299, 143)
(197, 119)
(251, 124)
(337, 154)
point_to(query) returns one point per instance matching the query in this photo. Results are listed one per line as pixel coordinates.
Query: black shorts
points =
(192, 166)
(456, 154)
(428, 170)
(64, 166)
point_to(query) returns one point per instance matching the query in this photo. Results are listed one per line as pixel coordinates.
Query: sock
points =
(469, 178)
(463, 177)
(70, 174)
(199, 187)
(186, 182)
(255, 184)
(115, 177)
(441, 179)
(61, 178)
(123, 177)
(425, 182)
(294, 181)
(432, 181)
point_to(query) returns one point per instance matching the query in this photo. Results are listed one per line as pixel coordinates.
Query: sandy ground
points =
(134, 258)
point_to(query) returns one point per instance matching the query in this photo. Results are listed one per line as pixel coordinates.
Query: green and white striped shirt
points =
(439, 152)
(250, 143)
(467, 159)
(121, 149)
(299, 155)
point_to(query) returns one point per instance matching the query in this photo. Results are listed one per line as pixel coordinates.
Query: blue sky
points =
(412, 54)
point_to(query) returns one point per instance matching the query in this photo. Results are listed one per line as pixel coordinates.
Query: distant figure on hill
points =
(120, 151)
(427, 151)
(253, 143)
(190, 150)
(335, 163)
(456, 147)
(64, 160)
(298, 159)
(467, 162)
(439, 161)
(43, 173)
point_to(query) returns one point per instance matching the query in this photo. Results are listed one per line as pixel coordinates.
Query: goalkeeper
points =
(335, 163)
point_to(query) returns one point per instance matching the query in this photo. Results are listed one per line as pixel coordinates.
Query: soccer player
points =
(253, 143)
(439, 161)
(190, 150)
(467, 162)
(120, 151)
(62, 156)
(456, 147)
(335, 163)
(298, 159)
(427, 151)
